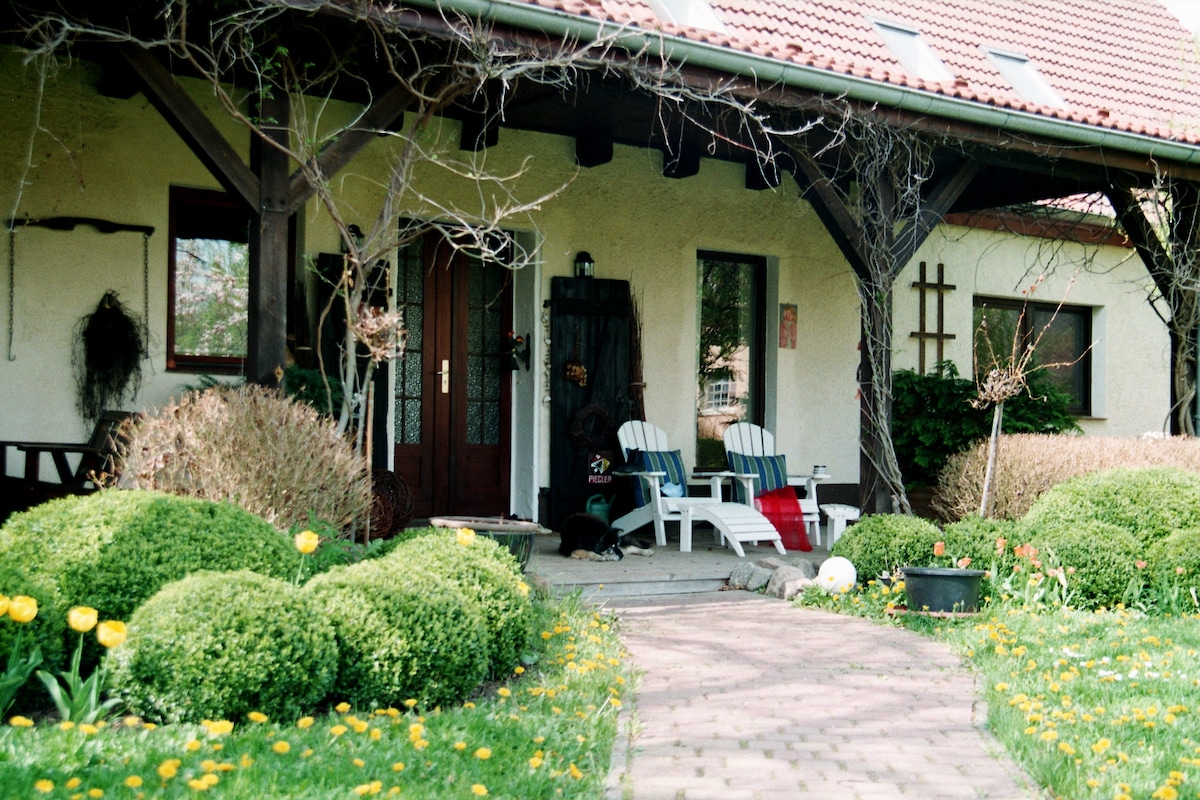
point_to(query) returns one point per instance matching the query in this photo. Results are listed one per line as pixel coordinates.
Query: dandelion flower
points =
(44, 786)
(483, 753)
(20, 722)
(257, 716)
(338, 730)
(460, 746)
(95, 793)
(342, 707)
(168, 769)
(479, 790)
(133, 781)
(304, 723)
(464, 536)
(281, 747)
(82, 618)
(73, 783)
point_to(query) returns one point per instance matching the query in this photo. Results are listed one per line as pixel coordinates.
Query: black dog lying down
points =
(590, 538)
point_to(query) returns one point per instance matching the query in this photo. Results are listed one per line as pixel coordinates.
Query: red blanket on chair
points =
(783, 509)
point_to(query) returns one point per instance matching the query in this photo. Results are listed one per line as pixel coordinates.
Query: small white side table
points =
(838, 515)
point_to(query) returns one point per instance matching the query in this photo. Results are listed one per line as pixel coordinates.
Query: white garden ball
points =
(836, 575)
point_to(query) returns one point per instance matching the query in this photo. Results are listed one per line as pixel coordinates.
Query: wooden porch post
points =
(267, 318)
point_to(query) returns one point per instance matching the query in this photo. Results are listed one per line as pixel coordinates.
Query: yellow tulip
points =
(307, 541)
(111, 633)
(82, 618)
(22, 608)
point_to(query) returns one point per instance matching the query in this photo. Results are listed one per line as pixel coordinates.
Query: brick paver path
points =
(744, 697)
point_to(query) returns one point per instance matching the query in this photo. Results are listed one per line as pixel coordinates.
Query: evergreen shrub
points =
(112, 550)
(218, 645)
(879, 543)
(486, 572)
(1149, 503)
(1100, 557)
(1175, 559)
(46, 631)
(402, 634)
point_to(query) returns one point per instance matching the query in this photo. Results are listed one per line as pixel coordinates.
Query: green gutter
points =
(772, 71)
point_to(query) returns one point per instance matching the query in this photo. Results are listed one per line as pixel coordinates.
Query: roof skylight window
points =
(913, 53)
(689, 13)
(1019, 71)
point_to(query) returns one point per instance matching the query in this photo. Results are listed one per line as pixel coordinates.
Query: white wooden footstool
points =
(838, 515)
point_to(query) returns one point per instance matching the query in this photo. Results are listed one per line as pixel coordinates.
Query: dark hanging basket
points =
(392, 504)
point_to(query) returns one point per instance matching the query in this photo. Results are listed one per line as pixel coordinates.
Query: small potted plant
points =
(946, 586)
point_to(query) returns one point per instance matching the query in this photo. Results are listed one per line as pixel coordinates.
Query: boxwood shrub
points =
(878, 543)
(1175, 559)
(402, 634)
(976, 537)
(112, 550)
(485, 572)
(1150, 503)
(46, 631)
(1103, 557)
(218, 645)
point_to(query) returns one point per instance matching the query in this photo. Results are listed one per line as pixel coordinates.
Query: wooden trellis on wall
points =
(923, 335)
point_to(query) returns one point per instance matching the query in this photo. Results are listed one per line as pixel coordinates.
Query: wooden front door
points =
(453, 383)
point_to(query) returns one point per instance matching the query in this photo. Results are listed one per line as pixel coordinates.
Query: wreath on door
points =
(591, 427)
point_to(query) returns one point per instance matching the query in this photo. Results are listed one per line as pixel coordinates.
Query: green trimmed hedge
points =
(483, 571)
(878, 543)
(46, 631)
(1149, 503)
(402, 634)
(1174, 560)
(1101, 557)
(112, 550)
(218, 645)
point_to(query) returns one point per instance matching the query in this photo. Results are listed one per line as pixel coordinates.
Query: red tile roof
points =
(1127, 65)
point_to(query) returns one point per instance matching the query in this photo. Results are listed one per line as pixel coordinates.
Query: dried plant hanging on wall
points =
(110, 344)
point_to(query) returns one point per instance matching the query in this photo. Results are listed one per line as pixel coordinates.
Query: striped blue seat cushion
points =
(668, 461)
(771, 471)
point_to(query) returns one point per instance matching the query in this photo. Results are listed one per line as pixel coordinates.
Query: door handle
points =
(445, 373)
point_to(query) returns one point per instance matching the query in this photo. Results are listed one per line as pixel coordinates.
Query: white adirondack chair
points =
(735, 522)
(754, 440)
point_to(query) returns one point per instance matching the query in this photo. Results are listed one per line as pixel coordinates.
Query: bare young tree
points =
(1002, 375)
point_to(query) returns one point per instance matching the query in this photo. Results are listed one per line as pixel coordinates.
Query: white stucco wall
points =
(115, 159)
(1131, 354)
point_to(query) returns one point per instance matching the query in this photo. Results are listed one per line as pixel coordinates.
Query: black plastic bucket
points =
(943, 589)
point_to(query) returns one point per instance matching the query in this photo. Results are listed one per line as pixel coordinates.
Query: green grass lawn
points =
(1100, 704)
(546, 732)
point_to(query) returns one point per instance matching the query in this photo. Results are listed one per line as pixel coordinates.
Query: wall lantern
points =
(585, 265)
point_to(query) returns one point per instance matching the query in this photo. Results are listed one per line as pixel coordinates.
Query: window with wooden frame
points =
(208, 283)
(1064, 346)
